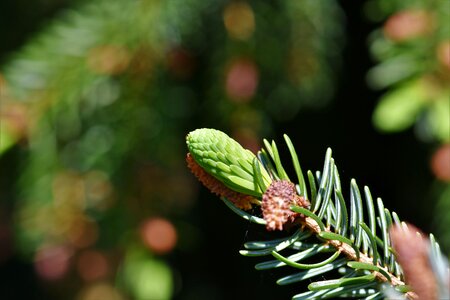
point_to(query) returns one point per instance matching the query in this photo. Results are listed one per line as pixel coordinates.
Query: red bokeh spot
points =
(242, 80)
(440, 163)
(83, 233)
(92, 265)
(159, 235)
(407, 25)
(52, 262)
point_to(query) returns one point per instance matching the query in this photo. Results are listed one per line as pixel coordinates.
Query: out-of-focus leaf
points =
(398, 109)
(439, 117)
(7, 138)
(146, 277)
(393, 71)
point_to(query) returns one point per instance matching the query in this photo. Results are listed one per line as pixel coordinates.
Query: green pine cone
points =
(226, 160)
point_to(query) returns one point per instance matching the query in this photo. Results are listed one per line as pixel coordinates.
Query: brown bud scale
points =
(215, 186)
(276, 204)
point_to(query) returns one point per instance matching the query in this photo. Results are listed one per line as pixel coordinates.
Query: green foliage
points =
(354, 241)
(412, 49)
(412, 54)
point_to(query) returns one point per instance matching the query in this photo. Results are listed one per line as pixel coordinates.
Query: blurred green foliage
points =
(97, 105)
(146, 277)
(412, 48)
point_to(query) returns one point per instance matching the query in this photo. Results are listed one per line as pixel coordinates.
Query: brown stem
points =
(348, 251)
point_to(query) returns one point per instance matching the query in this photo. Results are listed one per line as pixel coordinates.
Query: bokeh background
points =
(96, 202)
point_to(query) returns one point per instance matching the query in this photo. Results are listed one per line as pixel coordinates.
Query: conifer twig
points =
(241, 179)
(348, 251)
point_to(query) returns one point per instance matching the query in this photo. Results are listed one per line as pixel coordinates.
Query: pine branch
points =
(364, 257)
(345, 247)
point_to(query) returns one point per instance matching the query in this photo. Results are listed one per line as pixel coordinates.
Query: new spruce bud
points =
(226, 160)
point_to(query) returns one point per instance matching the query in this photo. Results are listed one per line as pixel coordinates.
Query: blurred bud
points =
(100, 291)
(408, 24)
(242, 80)
(92, 265)
(440, 163)
(108, 59)
(443, 54)
(52, 262)
(180, 63)
(412, 253)
(239, 20)
(159, 235)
